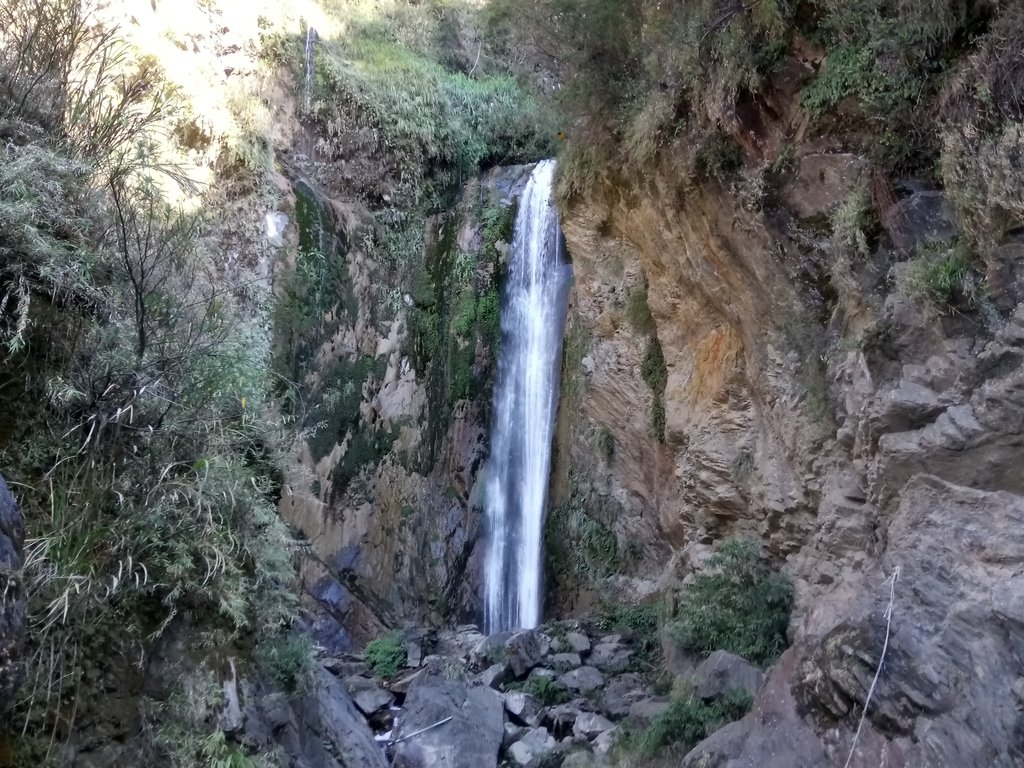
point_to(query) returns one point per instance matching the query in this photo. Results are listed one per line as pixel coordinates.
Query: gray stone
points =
(563, 662)
(645, 710)
(367, 695)
(584, 679)
(533, 748)
(404, 681)
(470, 739)
(550, 674)
(924, 216)
(523, 651)
(610, 657)
(275, 709)
(590, 725)
(723, 672)
(561, 718)
(413, 648)
(677, 658)
(496, 675)
(578, 642)
(327, 715)
(523, 707)
(489, 650)
(620, 693)
(513, 733)
(604, 742)
(230, 719)
(12, 607)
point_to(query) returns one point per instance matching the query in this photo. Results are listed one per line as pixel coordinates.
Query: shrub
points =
(638, 312)
(737, 604)
(943, 278)
(655, 375)
(386, 655)
(287, 661)
(685, 723)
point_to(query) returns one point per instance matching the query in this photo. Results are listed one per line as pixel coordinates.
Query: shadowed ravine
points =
(532, 324)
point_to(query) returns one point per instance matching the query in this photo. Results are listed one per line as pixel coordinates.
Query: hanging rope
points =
(891, 581)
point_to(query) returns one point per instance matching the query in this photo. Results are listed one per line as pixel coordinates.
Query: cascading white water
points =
(526, 394)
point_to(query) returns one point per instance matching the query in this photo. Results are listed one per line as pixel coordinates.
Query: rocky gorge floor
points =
(569, 694)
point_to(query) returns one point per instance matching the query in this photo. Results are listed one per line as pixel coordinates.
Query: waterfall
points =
(526, 393)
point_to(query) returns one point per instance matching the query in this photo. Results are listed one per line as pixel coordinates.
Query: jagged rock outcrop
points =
(810, 401)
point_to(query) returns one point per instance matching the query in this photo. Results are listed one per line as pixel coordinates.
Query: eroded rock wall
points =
(810, 403)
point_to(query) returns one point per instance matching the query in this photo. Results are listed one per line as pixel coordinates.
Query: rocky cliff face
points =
(397, 383)
(811, 401)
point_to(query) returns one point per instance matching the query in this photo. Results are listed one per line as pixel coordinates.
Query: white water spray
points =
(526, 394)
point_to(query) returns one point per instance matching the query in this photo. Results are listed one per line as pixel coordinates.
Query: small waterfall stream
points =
(526, 394)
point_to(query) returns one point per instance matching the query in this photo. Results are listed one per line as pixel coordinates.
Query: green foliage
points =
(287, 660)
(386, 655)
(641, 621)
(655, 375)
(548, 691)
(577, 545)
(638, 312)
(140, 442)
(738, 604)
(686, 722)
(431, 126)
(943, 277)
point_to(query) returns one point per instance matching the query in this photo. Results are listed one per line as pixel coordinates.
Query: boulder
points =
(413, 642)
(496, 675)
(590, 725)
(604, 742)
(584, 679)
(620, 693)
(561, 718)
(677, 658)
(610, 657)
(645, 710)
(578, 642)
(523, 651)
(513, 733)
(564, 661)
(924, 216)
(367, 695)
(523, 707)
(723, 672)
(533, 749)
(490, 650)
(471, 721)
(326, 716)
